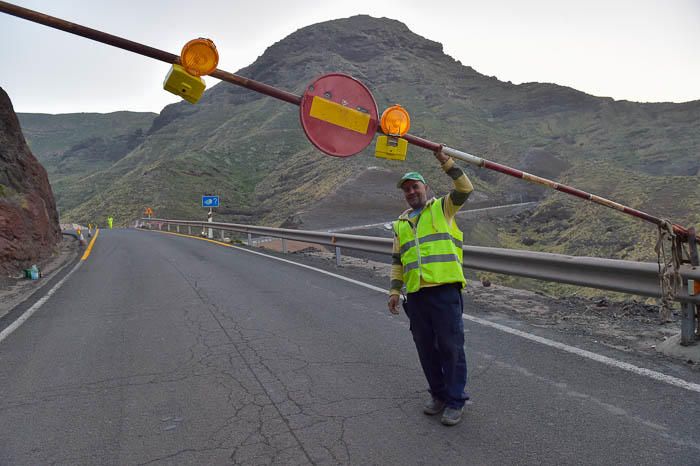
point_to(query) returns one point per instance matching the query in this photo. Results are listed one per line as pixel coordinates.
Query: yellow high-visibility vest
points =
(432, 251)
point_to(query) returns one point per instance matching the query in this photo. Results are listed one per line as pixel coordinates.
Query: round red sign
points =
(339, 115)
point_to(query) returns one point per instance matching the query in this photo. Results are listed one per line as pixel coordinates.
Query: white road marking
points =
(659, 376)
(334, 275)
(35, 307)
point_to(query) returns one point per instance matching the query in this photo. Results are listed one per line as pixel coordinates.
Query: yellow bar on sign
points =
(339, 115)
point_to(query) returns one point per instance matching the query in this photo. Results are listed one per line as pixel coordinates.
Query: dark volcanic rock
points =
(29, 229)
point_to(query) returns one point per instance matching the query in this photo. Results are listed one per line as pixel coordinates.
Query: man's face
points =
(415, 193)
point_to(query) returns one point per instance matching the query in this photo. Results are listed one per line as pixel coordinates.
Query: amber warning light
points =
(199, 57)
(395, 121)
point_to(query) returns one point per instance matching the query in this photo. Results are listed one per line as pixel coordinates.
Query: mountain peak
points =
(363, 46)
(360, 37)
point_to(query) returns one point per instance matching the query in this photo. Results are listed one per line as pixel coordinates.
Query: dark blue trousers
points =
(435, 314)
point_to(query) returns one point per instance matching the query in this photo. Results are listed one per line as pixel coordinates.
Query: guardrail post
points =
(189, 230)
(689, 319)
(337, 256)
(168, 227)
(210, 219)
(687, 322)
(250, 239)
(177, 228)
(284, 246)
(223, 234)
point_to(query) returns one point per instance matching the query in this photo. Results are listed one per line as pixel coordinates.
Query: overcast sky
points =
(646, 51)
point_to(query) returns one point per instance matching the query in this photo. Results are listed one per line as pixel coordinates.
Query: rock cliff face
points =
(29, 229)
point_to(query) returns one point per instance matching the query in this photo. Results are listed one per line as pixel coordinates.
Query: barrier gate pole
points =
(289, 97)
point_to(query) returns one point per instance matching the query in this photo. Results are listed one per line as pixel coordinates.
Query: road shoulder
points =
(18, 293)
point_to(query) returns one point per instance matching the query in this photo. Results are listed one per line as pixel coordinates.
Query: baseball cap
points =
(410, 176)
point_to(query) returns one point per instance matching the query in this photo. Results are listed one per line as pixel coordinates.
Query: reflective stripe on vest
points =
(433, 237)
(433, 252)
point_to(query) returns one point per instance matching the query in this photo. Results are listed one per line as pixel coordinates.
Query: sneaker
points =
(452, 416)
(434, 406)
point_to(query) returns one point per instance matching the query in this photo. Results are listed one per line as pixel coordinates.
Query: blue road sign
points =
(210, 201)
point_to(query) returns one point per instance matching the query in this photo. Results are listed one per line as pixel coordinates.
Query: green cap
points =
(410, 176)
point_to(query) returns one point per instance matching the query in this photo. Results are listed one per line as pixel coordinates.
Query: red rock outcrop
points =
(29, 229)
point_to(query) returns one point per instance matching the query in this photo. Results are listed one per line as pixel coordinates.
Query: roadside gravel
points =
(16, 289)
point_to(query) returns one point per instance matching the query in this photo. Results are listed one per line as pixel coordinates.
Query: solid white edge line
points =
(356, 282)
(35, 307)
(661, 377)
(588, 354)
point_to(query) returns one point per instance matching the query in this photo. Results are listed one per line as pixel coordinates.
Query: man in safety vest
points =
(427, 260)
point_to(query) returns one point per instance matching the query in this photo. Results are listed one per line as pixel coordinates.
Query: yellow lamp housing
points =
(181, 83)
(395, 121)
(392, 148)
(199, 57)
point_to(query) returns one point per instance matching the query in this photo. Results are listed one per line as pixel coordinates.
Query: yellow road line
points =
(89, 248)
(193, 237)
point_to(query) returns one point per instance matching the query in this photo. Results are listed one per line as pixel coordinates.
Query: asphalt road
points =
(167, 350)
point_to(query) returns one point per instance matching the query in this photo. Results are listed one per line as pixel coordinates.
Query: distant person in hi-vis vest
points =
(427, 260)
(110, 221)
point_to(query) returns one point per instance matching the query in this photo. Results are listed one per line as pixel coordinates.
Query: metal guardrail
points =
(639, 278)
(460, 214)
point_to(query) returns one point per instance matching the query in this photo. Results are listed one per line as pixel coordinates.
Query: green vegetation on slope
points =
(251, 150)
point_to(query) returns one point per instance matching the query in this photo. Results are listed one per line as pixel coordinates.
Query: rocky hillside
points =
(251, 150)
(74, 146)
(29, 229)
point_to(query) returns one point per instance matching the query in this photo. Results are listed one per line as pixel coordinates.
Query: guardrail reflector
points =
(693, 287)
(339, 115)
